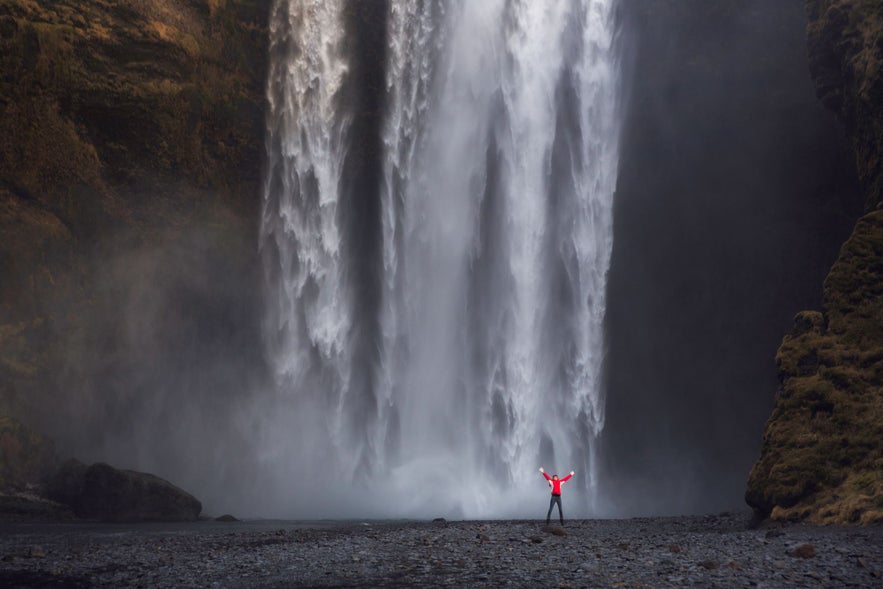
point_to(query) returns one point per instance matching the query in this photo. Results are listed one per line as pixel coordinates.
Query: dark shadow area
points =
(736, 190)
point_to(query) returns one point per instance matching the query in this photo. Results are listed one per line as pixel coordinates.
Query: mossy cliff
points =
(822, 455)
(130, 156)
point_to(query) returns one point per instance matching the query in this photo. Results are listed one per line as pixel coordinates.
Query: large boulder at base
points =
(106, 493)
(27, 458)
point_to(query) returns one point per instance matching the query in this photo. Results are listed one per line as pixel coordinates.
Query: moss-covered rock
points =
(822, 455)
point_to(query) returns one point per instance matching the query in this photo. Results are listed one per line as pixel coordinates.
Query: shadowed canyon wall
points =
(822, 454)
(736, 190)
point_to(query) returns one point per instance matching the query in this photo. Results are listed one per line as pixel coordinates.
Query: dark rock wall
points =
(131, 141)
(736, 191)
(822, 455)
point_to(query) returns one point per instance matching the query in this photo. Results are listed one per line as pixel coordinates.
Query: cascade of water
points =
(307, 315)
(500, 143)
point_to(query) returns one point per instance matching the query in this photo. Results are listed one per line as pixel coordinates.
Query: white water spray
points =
(500, 139)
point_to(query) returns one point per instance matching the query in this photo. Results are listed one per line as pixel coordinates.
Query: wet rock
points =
(803, 551)
(554, 530)
(105, 493)
(710, 565)
(674, 548)
(35, 552)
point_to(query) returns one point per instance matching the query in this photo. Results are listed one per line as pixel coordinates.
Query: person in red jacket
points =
(555, 483)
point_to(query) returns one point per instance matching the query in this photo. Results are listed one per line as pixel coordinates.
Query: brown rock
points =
(554, 530)
(803, 551)
(35, 552)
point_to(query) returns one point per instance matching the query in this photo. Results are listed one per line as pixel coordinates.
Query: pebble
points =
(706, 551)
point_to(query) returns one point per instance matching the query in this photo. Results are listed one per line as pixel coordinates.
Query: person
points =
(555, 483)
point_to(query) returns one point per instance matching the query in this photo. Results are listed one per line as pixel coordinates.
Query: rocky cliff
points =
(130, 169)
(822, 455)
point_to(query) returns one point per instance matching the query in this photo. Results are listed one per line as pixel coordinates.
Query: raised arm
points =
(567, 478)
(548, 478)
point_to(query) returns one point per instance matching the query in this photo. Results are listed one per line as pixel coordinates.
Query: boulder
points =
(803, 551)
(105, 493)
(555, 530)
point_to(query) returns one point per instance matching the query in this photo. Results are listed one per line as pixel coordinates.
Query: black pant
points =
(555, 499)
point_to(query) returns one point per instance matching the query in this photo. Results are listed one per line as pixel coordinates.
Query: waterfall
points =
(499, 141)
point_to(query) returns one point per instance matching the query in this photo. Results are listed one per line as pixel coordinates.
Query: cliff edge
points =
(822, 453)
(130, 171)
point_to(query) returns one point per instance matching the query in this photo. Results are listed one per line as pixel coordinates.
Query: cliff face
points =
(130, 168)
(736, 190)
(822, 455)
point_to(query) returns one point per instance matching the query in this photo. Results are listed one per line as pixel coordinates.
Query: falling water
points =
(499, 143)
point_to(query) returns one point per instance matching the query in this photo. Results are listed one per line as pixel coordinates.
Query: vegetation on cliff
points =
(130, 159)
(822, 456)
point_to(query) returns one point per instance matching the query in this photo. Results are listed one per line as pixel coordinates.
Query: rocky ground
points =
(710, 551)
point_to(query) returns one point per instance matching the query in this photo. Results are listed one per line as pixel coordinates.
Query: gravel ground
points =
(709, 551)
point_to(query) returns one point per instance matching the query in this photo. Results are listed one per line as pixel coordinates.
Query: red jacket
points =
(556, 485)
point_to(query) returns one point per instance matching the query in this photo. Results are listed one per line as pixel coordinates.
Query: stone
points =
(803, 551)
(35, 552)
(105, 493)
(554, 530)
(226, 518)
